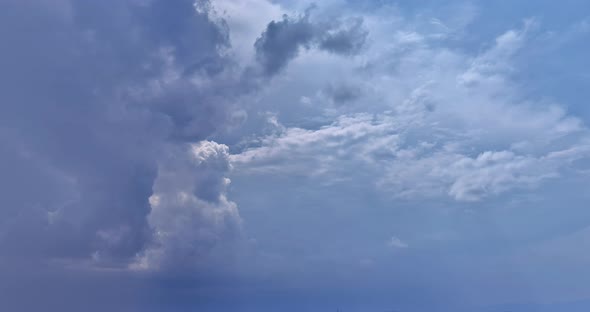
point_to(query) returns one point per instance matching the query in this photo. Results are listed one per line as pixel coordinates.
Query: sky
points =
(280, 155)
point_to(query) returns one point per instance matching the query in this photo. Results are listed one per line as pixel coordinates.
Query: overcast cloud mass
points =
(279, 155)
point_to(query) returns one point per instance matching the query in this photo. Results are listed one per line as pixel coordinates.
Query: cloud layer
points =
(460, 129)
(381, 156)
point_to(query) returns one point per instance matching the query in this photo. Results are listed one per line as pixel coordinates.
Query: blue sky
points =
(257, 155)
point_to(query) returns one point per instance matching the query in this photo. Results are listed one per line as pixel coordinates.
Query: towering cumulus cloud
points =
(191, 216)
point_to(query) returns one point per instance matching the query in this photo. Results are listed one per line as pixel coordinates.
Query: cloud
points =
(100, 115)
(494, 63)
(348, 39)
(190, 213)
(99, 94)
(281, 40)
(437, 133)
(245, 20)
(121, 123)
(342, 93)
(395, 242)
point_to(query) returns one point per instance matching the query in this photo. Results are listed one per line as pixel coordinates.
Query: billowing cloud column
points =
(192, 219)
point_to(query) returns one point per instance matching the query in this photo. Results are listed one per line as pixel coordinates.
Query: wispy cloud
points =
(460, 128)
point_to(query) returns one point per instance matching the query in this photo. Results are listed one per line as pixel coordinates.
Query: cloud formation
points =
(461, 130)
(91, 105)
(282, 40)
(115, 106)
(191, 216)
(122, 122)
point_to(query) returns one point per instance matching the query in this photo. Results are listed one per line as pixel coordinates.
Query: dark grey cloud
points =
(94, 93)
(282, 40)
(342, 93)
(348, 39)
